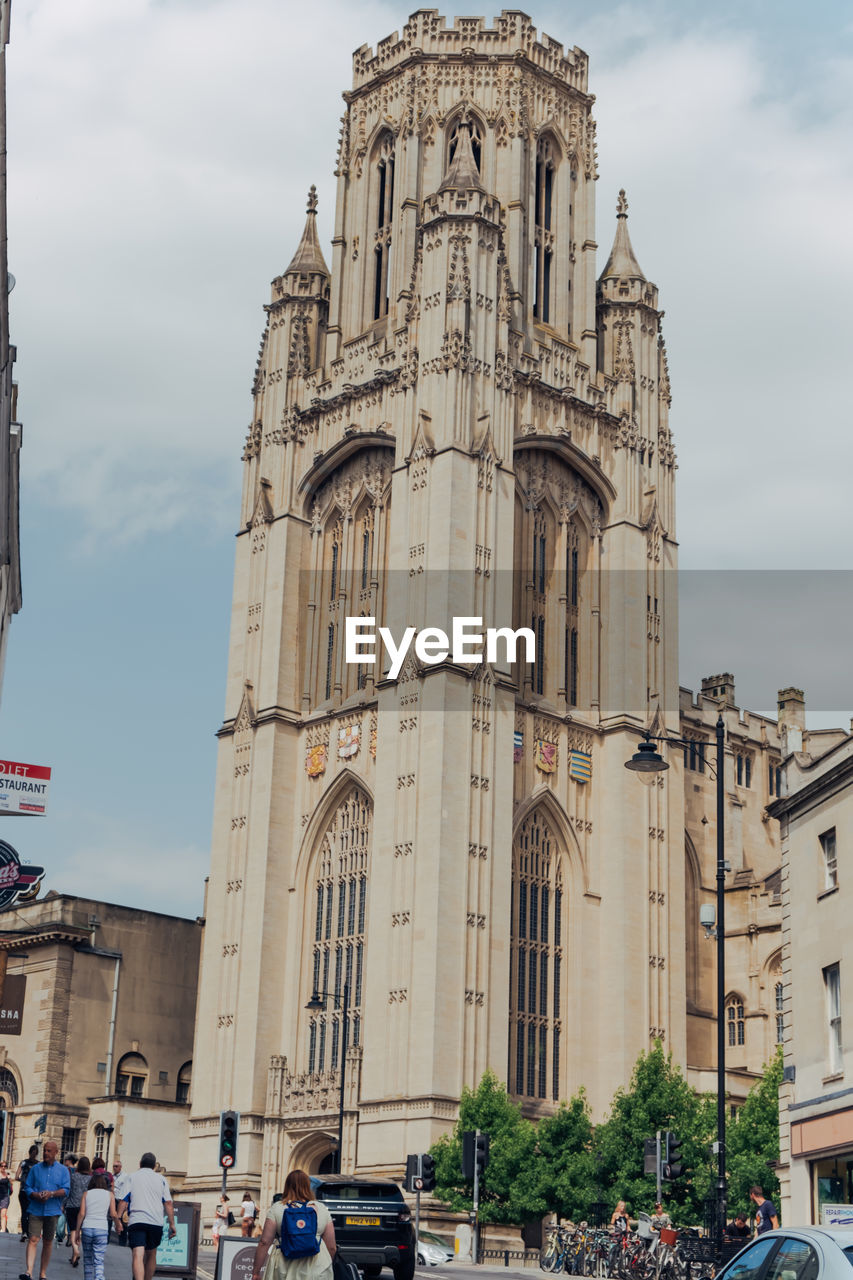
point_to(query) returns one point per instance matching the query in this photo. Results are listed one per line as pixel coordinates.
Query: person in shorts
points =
(48, 1183)
(148, 1197)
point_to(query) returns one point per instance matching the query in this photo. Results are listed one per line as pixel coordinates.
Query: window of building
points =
(743, 765)
(694, 755)
(382, 238)
(182, 1089)
(68, 1146)
(774, 778)
(830, 863)
(132, 1076)
(543, 235)
(339, 925)
(832, 984)
(536, 962)
(780, 1016)
(735, 1020)
(100, 1141)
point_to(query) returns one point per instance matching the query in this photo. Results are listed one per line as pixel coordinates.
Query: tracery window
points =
(543, 235)
(536, 961)
(339, 924)
(384, 214)
(735, 1020)
(780, 1014)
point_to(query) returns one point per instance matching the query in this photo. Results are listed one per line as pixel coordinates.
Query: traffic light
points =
(427, 1172)
(413, 1172)
(672, 1163)
(650, 1156)
(482, 1152)
(468, 1149)
(229, 1122)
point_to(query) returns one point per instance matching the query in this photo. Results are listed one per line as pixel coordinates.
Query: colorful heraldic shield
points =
(349, 741)
(315, 760)
(580, 766)
(17, 881)
(545, 755)
(517, 747)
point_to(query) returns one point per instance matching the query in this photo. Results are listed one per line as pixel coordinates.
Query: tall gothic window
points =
(735, 1020)
(382, 235)
(543, 234)
(339, 920)
(536, 978)
(780, 1013)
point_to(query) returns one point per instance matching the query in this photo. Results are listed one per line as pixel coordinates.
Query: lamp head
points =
(646, 762)
(316, 1004)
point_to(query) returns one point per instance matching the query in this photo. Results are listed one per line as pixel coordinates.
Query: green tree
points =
(658, 1097)
(565, 1165)
(509, 1189)
(752, 1140)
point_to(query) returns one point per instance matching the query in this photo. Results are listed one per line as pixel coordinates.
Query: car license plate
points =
(362, 1222)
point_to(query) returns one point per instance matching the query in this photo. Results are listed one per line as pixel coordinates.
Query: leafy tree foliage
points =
(509, 1189)
(565, 1166)
(658, 1097)
(752, 1140)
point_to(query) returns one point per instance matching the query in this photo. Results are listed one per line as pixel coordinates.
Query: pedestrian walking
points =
(250, 1212)
(766, 1217)
(21, 1174)
(308, 1247)
(5, 1195)
(79, 1184)
(47, 1185)
(148, 1197)
(220, 1219)
(121, 1184)
(97, 1207)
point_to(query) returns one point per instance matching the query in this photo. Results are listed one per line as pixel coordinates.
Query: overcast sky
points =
(159, 156)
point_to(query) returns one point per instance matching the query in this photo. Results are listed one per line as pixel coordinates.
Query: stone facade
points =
(460, 418)
(816, 1099)
(96, 1028)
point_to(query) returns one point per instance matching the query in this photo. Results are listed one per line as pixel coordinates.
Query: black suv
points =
(373, 1225)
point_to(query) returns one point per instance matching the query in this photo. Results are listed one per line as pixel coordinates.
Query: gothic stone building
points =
(464, 417)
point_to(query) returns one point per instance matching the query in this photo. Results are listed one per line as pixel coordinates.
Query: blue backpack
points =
(299, 1231)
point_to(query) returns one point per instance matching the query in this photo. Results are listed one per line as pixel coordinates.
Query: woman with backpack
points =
(302, 1230)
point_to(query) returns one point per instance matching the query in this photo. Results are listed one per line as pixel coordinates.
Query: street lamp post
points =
(646, 762)
(317, 1004)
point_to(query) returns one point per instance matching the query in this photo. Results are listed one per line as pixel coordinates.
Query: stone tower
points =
(457, 420)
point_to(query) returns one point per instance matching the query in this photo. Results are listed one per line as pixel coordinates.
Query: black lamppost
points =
(317, 1004)
(647, 762)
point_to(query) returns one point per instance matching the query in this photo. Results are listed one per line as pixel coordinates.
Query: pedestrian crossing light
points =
(228, 1123)
(673, 1166)
(482, 1155)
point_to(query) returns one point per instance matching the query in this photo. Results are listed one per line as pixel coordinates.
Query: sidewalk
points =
(13, 1260)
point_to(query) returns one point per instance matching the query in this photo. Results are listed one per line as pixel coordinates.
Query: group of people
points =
(92, 1201)
(224, 1217)
(766, 1218)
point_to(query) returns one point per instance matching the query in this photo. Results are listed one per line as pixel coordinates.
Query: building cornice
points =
(807, 796)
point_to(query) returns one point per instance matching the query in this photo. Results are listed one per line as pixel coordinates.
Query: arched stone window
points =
(132, 1076)
(735, 1020)
(383, 206)
(536, 964)
(339, 927)
(182, 1089)
(544, 238)
(100, 1136)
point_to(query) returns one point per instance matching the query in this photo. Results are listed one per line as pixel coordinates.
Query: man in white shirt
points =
(148, 1196)
(121, 1185)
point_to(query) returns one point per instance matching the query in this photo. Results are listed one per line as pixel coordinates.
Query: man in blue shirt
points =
(48, 1183)
(766, 1217)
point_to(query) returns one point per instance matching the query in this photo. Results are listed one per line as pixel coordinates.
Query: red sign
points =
(23, 787)
(227, 1162)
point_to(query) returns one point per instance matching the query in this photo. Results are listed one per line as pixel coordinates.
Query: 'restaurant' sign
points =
(23, 787)
(12, 1004)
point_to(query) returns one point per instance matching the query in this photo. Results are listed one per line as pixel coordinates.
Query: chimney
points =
(792, 720)
(721, 687)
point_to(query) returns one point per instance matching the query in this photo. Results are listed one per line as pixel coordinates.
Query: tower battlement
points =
(513, 36)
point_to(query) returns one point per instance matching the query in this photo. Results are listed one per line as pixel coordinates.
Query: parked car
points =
(432, 1250)
(795, 1253)
(373, 1223)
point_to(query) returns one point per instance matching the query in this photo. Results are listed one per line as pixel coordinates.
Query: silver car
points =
(432, 1250)
(795, 1253)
